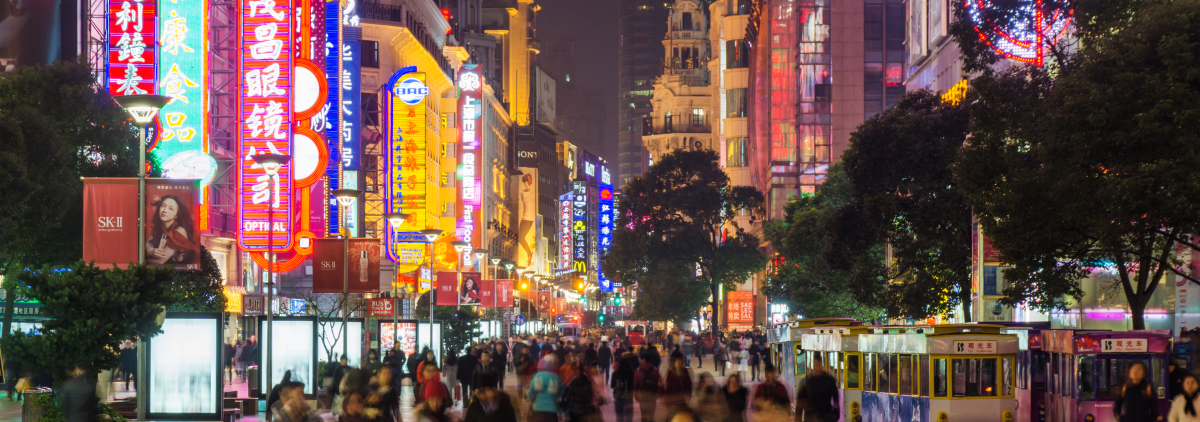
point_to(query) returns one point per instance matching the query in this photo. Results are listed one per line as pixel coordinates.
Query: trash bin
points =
(252, 378)
(30, 411)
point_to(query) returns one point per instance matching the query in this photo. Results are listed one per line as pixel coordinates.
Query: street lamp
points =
(271, 163)
(345, 198)
(142, 108)
(394, 220)
(431, 236)
(460, 246)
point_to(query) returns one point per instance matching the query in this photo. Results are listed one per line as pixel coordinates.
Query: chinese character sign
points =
(332, 126)
(564, 231)
(470, 107)
(976, 347)
(183, 145)
(1124, 345)
(605, 227)
(579, 226)
(404, 150)
(266, 124)
(740, 308)
(132, 43)
(351, 115)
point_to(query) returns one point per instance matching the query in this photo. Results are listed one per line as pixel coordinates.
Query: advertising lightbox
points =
(185, 368)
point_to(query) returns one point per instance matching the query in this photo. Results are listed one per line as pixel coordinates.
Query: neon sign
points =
(405, 168)
(579, 226)
(266, 116)
(351, 117)
(605, 227)
(183, 56)
(470, 108)
(1026, 37)
(132, 42)
(332, 125)
(564, 231)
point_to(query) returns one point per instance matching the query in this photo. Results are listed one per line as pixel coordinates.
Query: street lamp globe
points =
(431, 235)
(508, 265)
(460, 245)
(480, 253)
(345, 196)
(496, 260)
(271, 162)
(142, 108)
(395, 219)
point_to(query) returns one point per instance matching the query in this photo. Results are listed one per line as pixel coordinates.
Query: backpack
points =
(620, 388)
(649, 381)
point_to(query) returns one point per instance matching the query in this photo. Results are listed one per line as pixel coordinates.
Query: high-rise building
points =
(817, 70)
(639, 62)
(682, 101)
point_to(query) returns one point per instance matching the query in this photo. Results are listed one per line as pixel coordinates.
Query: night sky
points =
(593, 24)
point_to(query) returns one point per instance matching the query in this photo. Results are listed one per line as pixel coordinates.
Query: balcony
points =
(652, 127)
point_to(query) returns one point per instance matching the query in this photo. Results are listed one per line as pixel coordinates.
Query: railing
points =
(402, 16)
(659, 128)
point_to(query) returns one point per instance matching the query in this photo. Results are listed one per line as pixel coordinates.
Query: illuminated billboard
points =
(185, 368)
(604, 228)
(332, 125)
(132, 47)
(470, 106)
(265, 62)
(579, 227)
(564, 231)
(405, 163)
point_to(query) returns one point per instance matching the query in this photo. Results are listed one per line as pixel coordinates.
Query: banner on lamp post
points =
(447, 288)
(504, 293)
(329, 257)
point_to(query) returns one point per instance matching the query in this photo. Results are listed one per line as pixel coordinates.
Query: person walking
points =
(1176, 371)
(647, 384)
(604, 358)
(543, 392)
(677, 390)
(273, 396)
(414, 362)
(490, 405)
(688, 348)
(817, 400)
(77, 399)
(721, 357)
(239, 365)
(129, 364)
(227, 357)
(292, 407)
(621, 382)
(450, 378)
(581, 399)
(771, 399)
(485, 371)
(1135, 402)
(699, 346)
(1183, 407)
(754, 355)
(736, 398)
(431, 397)
(385, 395)
(466, 372)
(708, 400)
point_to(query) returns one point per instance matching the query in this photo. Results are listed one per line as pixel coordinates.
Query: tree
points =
(56, 127)
(676, 235)
(802, 275)
(90, 312)
(1090, 171)
(328, 309)
(200, 291)
(460, 326)
(904, 193)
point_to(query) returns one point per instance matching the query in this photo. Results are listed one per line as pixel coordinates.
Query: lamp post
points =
(395, 219)
(143, 109)
(460, 246)
(270, 164)
(479, 255)
(345, 197)
(431, 236)
(537, 292)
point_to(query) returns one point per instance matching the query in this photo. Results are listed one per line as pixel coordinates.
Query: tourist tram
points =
(941, 373)
(1031, 373)
(838, 348)
(1087, 369)
(786, 348)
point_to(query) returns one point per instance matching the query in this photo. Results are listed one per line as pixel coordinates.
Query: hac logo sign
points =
(410, 91)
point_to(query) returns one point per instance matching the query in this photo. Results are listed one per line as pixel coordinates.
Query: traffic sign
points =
(520, 320)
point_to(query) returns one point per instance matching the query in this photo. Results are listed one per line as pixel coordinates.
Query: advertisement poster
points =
(993, 311)
(471, 292)
(447, 288)
(504, 293)
(543, 302)
(382, 307)
(407, 338)
(172, 235)
(110, 221)
(329, 257)
(740, 310)
(527, 193)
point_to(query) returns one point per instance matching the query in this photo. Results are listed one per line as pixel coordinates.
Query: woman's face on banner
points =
(470, 284)
(167, 210)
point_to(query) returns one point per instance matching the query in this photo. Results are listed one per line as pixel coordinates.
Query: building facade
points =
(639, 64)
(682, 102)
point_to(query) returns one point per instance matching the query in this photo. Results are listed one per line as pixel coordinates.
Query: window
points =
(737, 54)
(1006, 376)
(736, 154)
(883, 368)
(974, 377)
(1111, 372)
(924, 375)
(869, 372)
(698, 117)
(939, 378)
(370, 108)
(739, 7)
(894, 373)
(906, 378)
(370, 54)
(687, 22)
(735, 102)
(851, 369)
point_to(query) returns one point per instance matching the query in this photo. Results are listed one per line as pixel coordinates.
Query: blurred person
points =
(489, 404)
(817, 400)
(622, 382)
(500, 362)
(77, 399)
(581, 399)
(604, 358)
(292, 407)
(647, 384)
(426, 359)
(450, 378)
(1176, 371)
(466, 371)
(276, 391)
(721, 357)
(227, 358)
(677, 390)
(708, 400)
(590, 354)
(771, 397)
(754, 356)
(339, 374)
(688, 348)
(1135, 402)
(543, 391)
(1183, 407)
(129, 364)
(485, 372)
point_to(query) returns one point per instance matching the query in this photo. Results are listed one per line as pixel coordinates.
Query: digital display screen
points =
(423, 338)
(184, 371)
(293, 352)
(333, 333)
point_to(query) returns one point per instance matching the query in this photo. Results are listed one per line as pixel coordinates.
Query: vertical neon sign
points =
(405, 169)
(605, 228)
(351, 118)
(564, 231)
(470, 107)
(579, 226)
(266, 123)
(132, 52)
(332, 111)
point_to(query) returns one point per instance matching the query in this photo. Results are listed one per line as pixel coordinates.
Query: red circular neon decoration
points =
(322, 156)
(322, 90)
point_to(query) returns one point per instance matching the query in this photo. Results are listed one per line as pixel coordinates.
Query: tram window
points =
(905, 375)
(841, 367)
(894, 373)
(987, 377)
(1112, 375)
(885, 373)
(924, 375)
(869, 372)
(1155, 379)
(974, 377)
(1006, 376)
(1022, 370)
(852, 371)
(1038, 367)
(1087, 389)
(960, 377)
(939, 378)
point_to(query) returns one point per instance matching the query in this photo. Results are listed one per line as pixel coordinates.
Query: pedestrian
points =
(754, 356)
(490, 405)
(543, 391)
(239, 365)
(414, 362)
(604, 358)
(771, 398)
(647, 384)
(485, 371)
(736, 399)
(428, 359)
(384, 395)
(249, 357)
(292, 407)
(339, 374)
(676, 353)
(677, 390)
(688, 348)
(450, 378)
(500, 363)
(817, 400)
(129, 364)
(523, 367)
(466, 372)
(581, 399)
(1175, 374)
(721, 357)
(1135, 403)
(273, 396)
(1183, 407)
(77, 399)
(432, 388)
(699, 345)
(227, 357)
(708, 400)
(590, 355)
(621, 383)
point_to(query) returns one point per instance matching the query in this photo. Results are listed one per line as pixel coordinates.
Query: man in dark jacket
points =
(818, 397)
(500, 363)
(485, 372)
(78, 399)
(466, 371)
(414, 361)
(590, 355)
(1175, 374)
(604, 358)
(128, 359)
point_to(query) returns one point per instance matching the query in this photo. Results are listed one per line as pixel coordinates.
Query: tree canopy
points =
(675, 236)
